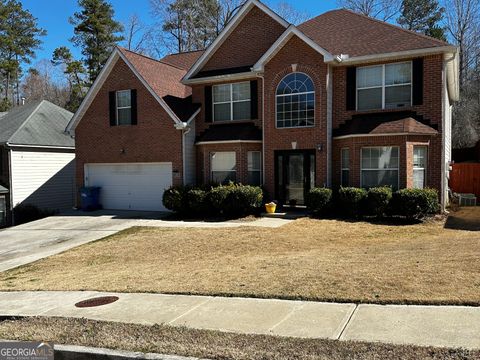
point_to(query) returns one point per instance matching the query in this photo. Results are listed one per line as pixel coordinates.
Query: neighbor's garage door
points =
(132, 186)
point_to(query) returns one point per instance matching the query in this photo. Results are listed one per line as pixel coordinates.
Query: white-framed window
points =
(124, 107)
(380, 166)
(232, 102)
(295, 101)
(223, 167)
(387, 86)
(254, 168)
(419, 166)
(3, 211)
(345, 167)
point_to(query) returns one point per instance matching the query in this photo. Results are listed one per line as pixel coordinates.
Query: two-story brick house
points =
(341, 99)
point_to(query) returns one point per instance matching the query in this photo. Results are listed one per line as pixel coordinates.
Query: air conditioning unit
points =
(467, 200)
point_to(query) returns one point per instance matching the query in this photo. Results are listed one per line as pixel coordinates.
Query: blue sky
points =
(53, 16)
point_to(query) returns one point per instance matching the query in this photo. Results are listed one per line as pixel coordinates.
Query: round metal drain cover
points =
(98, 301)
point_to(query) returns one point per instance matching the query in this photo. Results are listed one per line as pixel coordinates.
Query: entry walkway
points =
(444, 326)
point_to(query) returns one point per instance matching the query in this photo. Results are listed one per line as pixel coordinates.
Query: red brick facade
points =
(153, 139)
(252, 37)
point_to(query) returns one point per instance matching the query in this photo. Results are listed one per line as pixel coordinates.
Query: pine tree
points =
(96, 33)
(19, 38)
(422, 16)
(75, 73)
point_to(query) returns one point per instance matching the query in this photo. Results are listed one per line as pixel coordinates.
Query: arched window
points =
(295, 101)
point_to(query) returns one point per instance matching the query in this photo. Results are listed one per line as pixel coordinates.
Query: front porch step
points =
(289, 215)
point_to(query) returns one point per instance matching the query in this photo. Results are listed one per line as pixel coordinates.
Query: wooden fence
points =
(465, 178)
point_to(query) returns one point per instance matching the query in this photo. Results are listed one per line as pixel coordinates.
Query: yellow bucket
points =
(270, 208)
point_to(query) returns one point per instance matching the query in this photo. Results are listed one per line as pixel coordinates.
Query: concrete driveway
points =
(26, 243)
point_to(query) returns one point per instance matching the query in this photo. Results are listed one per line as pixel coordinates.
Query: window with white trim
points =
(380, 166)
(345, 167)
(387, 86)
(254, 168)
(295, 99)
(3, 211)
(124, 107)
(232, 102)
(419, 166)
(223, 167)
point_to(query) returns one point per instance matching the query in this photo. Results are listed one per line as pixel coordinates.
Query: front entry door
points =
(295, 175)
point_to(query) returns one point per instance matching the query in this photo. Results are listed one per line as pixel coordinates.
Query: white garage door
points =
(132, 186)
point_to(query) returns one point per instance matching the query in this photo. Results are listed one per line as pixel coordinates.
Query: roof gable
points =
(40, 123)
(231, 26)
(183, 60)
(346, 32)
(160, 79)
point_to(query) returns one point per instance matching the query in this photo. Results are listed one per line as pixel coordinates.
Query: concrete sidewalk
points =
(445, 326)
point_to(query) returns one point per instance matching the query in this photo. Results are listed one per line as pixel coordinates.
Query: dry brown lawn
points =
(326, 260)
(211, 344)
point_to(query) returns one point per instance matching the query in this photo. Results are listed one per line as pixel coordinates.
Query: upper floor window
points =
(231, 102)
(123, 107)
(295, 101)
(386, 86)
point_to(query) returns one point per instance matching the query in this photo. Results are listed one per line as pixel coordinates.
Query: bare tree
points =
(185, 25)
(43, 82)
(379, 9)
(289, 13)
(135, 34)
(463, 24)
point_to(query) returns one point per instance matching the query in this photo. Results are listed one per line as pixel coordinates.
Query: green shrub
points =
(174, 199)
(24, 213)
(378, 200)
(415, 203)
(196, 202)
(243, 200)
(351, 200)
(318, 199)
(216, 197)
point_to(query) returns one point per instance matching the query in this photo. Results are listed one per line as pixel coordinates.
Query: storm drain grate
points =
(98, 301)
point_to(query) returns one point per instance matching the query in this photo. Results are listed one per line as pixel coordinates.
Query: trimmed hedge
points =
(415, 203)
(228, 200)
(173, 199)
(351, 199)
(378, 200)
(318, 200)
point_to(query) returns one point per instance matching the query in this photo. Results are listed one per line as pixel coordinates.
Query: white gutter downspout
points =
(260, 75)
(329, 124)
(444, 185)
(12, 217)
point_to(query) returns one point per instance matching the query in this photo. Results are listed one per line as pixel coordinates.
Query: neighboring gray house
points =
(36, 158)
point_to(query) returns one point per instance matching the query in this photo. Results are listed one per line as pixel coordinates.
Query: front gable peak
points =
(249, 8)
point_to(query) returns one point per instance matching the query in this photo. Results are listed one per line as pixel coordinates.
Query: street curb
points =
(74, 352)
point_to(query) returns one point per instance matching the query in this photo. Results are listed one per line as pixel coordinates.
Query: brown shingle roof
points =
(345, 32)
(164, 79)
(397, 122)
(408, 125)
(183, 60)
(230, 132)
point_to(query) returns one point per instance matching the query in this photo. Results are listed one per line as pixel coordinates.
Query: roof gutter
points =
(220, 78)
(10, 145)
(345, 60)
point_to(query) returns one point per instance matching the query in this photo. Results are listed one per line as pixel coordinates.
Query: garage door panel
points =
(130, 186)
